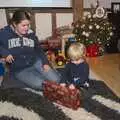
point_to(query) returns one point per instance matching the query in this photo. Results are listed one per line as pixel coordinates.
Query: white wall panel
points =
(43, 25)
(64, 19)
(3, 21)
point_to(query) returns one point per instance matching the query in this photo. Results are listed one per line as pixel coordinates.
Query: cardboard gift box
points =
(62, 95)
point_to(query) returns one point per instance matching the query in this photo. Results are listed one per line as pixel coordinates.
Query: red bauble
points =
(92, 50)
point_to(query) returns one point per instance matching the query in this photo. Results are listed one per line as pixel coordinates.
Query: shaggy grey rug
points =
(97, 103)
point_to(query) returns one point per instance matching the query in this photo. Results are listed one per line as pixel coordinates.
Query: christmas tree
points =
(94, 28)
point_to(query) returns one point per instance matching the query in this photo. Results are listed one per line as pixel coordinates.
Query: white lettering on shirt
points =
(20, 42)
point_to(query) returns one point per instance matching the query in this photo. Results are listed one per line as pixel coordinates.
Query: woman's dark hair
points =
(20, 15)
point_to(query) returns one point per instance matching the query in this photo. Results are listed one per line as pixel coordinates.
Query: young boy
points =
(76, 72)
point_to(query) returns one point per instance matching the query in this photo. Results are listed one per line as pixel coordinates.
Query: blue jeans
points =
(34, 76)
(2, 69)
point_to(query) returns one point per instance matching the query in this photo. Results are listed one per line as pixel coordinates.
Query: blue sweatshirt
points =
(76, 74)
(25, 50)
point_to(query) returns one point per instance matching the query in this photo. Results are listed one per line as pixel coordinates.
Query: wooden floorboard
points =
(107, 67)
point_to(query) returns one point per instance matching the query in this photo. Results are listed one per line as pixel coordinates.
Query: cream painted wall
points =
(3, 21)
(64, 19)
(43, 25)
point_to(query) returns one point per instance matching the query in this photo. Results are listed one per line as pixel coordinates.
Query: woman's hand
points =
(9, 59)
(46, 68)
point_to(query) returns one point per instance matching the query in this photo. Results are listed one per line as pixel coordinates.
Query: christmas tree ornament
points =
(100, 12)
(60, 59)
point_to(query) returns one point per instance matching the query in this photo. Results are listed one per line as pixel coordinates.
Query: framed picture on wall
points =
(115, 6)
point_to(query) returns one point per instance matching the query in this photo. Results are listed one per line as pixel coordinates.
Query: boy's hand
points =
(62, 84)
(71, 86)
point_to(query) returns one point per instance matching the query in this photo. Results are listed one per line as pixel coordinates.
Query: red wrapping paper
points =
(92, 50)
(62, 95)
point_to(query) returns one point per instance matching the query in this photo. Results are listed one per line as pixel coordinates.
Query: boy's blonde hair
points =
(76, 51)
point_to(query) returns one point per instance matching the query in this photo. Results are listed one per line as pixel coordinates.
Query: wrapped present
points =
(92, 50)
(62, 94)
